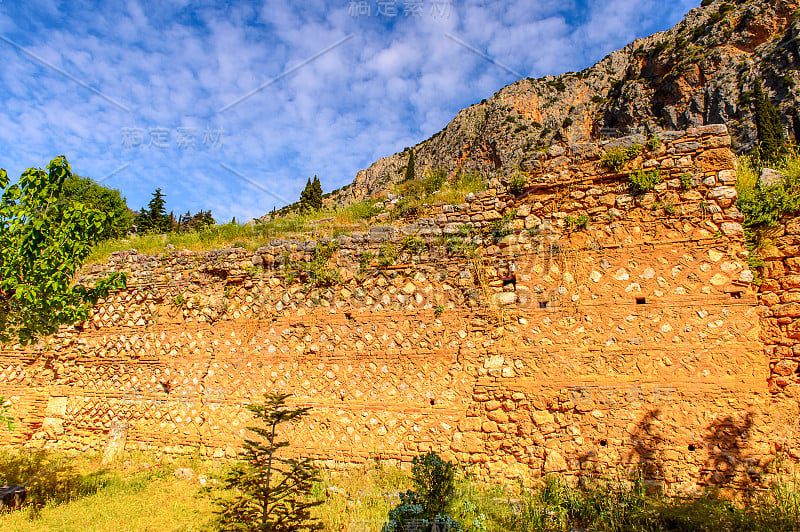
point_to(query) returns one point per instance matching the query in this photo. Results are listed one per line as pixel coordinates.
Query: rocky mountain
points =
(702, 71)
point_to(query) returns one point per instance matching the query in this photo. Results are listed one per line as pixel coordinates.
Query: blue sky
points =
(233, 106)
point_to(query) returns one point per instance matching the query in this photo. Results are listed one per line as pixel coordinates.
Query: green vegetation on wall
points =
(44, 241)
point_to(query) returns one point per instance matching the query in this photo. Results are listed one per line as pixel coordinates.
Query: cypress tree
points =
(770, 131)
(305, 196)
(316, 194)
(410, 172)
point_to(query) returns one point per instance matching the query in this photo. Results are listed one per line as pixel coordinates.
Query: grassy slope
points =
(322, 223)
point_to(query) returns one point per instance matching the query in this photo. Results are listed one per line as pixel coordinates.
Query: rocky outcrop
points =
(700, 72)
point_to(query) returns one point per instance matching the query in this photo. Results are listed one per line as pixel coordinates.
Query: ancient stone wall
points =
(501, 332)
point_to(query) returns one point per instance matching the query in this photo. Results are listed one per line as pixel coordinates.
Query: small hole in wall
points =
(692, 447)
(433, 402)
(542, 304)
(736, 295)
(641, 300)
(603, 443)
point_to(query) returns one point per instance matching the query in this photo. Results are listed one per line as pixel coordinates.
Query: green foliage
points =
(270, 492)
(109, 201)
(197, 222)
(387, 256)
(598, 99)
(617, 158)
(317, 272)
(434, 181)
(577, 223)
(179, 301)
(5, 415)
(770, 130)
(412, 244)
(653, 143)
(642, 181)
(362, 210)
(501, 228)
(764, 206)
(705, 3)
(366, 258)
(517, 184)
(426, 506)
(311, 196)
(410, 171)
(154, 218)
(43, 242)
(686, 181)
(438, 311)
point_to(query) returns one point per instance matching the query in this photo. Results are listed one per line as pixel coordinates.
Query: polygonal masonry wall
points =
(633, 342)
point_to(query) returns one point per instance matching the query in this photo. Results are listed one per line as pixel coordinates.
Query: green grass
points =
(324, 222)
(616, 158)
(435, 187)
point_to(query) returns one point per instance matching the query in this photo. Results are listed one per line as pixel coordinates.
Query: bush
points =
(517, 184)
(653, 143)
(642, 181)
(425, 507)
(686, 181)
(617, 158)
(578, 223)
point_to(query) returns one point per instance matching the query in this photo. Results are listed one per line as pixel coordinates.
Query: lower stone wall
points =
(637, 341)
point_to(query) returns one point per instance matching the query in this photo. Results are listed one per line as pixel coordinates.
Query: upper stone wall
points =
(541, 347)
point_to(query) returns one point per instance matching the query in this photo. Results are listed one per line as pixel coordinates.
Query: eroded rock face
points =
(701, 71)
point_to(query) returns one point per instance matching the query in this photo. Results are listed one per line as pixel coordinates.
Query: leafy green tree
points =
(271, 492)
(410, 171)
(109, 201)
(43, 242)
(770, 130)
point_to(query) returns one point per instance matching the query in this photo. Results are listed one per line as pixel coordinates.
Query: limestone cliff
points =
(702, 71)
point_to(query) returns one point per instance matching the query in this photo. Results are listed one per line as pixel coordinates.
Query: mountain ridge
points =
(701, 71)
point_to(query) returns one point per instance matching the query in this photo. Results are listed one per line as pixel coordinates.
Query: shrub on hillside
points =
(425, 508)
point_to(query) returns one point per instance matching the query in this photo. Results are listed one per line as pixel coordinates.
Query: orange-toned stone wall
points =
(635, 341)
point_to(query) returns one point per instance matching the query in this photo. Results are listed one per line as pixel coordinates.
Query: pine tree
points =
(316, 194)
(154, 219)
(271, 492)
(770, 130)
(410, 171)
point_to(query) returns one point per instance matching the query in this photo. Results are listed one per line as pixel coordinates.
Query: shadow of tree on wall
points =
(646, 455)
(726, 440)
(728, 464)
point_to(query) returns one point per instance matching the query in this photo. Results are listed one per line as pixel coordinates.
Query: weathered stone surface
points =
(554, 462)
(715, 160)
(769, 177)
(732, 229)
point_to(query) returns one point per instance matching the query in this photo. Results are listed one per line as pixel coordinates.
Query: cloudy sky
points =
(232, 106)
